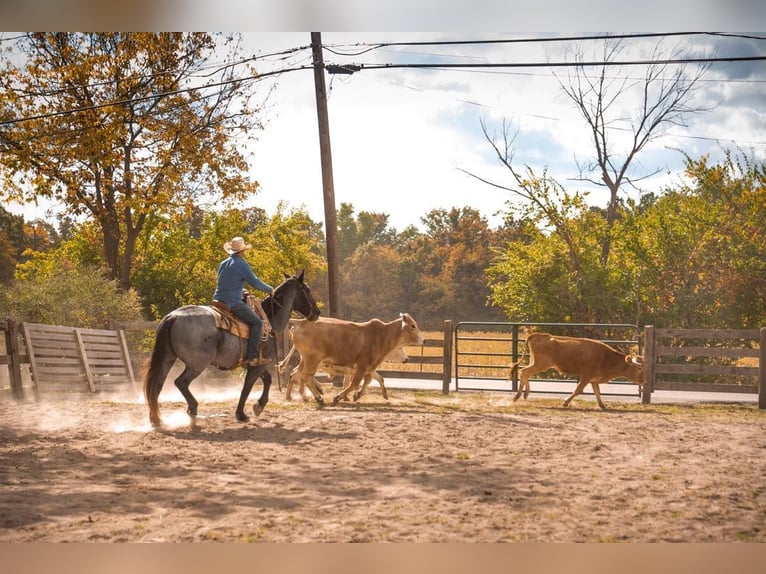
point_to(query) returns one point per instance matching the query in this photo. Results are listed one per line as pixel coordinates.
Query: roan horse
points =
(190, 334)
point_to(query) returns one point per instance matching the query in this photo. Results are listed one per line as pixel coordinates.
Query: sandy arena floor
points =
(421, 467)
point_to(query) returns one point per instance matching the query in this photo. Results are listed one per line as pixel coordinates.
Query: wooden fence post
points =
(649, 361)
(447, 358)
(762, 371)
(14, 368)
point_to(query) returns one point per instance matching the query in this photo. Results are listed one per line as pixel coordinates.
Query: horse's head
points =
(295, 294)
(304, 302)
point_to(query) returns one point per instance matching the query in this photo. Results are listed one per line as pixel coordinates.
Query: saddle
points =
(228, 321)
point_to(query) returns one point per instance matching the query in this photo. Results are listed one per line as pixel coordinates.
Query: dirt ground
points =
(421, 467)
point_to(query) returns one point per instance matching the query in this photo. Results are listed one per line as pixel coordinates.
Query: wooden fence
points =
(68, 359)
(675, 359)
(705, 360)
(13, 358)
(432, 361)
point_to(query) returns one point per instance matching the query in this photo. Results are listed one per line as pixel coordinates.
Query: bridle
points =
(302, 286)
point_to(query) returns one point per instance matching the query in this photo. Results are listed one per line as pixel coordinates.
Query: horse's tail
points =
(157, 371)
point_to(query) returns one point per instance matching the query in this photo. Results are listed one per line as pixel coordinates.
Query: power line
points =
(373, 46)
(351, 68)
(151, 96)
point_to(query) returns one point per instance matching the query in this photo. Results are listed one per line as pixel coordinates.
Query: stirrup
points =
(258, 361)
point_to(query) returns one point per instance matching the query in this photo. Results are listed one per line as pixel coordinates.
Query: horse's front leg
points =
(250, 377)
(264, 398)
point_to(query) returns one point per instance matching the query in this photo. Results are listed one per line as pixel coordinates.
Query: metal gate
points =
(484, 351)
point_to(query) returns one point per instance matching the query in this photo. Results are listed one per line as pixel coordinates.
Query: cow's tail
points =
(157, 369)
(514, 366)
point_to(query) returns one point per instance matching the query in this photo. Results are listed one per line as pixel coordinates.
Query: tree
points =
(700, 250)
(442, 270)
(178, 260)
(64, 293)
(371, 284)
(553, 274)
(11, 243)
(366, 227)
(120, 126)
(663, 97)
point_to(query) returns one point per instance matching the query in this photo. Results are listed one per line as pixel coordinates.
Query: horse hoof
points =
(257, 409)
(356, 396)
(242, 417)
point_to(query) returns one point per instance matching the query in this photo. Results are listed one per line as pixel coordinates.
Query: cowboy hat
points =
(236, 245)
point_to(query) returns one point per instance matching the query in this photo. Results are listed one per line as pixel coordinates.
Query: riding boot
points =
(260, 359)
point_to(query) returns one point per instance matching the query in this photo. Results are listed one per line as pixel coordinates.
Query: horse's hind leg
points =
(182, 382)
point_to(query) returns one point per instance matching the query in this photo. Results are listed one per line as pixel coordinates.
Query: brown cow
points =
(593, 361)
(358, 346)
(398, 355)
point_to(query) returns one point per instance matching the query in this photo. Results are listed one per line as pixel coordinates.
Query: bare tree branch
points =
(665, 95)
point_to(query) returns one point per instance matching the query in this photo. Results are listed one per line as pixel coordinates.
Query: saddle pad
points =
(229, 322)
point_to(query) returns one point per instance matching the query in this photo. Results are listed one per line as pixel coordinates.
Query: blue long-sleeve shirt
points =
(233, 273)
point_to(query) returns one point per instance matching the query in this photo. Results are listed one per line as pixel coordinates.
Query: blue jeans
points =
(245, 313)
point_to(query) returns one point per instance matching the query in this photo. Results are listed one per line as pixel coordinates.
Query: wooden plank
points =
(84, 357)
(762, 371)
(40, 328)
(108, 356)
(26, 327)
(412, 375)
(706, 370)
(703, 387)
(733, 352)
(650, 359)
(447, 357)
(707, 333)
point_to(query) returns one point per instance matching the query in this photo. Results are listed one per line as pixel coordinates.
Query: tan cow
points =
(361, 347)
(398, 355)
(593, 361)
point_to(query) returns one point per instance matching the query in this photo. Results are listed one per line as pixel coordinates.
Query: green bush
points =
(71, 296)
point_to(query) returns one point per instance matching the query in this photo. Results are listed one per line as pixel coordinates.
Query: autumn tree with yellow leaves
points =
(119, 126)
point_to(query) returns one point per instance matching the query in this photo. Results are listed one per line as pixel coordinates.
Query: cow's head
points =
(411, 334)
(635, 370)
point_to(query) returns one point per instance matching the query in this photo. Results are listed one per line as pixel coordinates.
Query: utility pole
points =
(328, 187)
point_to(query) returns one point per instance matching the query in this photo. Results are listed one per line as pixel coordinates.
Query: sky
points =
(403, 138)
